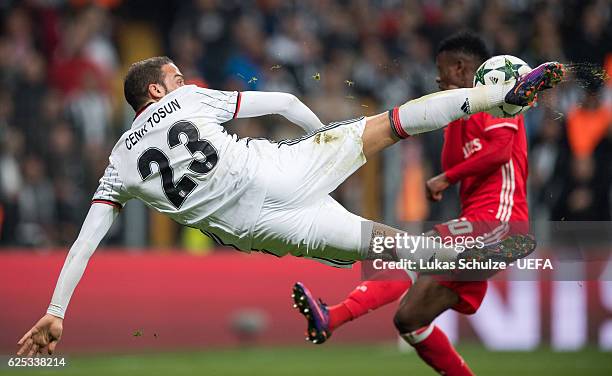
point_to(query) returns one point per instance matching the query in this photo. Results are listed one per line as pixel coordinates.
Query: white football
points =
(498, 70)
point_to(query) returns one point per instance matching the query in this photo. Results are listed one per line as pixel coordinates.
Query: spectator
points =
(586, 189)
(35, 205)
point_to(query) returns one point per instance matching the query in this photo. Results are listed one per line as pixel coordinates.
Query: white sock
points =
(436, 110)
(418, 335)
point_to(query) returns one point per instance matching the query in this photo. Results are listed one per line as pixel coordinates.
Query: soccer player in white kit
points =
(253, 194)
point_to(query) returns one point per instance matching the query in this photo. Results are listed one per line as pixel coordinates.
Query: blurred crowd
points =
(62, 108)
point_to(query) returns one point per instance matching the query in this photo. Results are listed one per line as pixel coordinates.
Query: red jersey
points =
(495, 188)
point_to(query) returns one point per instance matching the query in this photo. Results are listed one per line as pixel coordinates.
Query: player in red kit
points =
(487, 156)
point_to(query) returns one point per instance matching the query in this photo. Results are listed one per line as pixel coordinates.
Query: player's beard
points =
(164, 86)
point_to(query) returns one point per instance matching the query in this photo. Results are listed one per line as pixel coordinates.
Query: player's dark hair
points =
(138, 78)
(466, 42)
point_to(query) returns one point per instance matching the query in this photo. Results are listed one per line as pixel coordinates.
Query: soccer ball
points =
(498, 70)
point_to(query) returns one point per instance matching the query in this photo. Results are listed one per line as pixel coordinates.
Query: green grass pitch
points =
(336, 360)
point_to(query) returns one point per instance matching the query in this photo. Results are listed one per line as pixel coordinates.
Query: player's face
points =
(452, 71)
(172, 78)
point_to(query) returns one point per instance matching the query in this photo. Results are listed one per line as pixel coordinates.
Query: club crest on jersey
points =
(471, 147)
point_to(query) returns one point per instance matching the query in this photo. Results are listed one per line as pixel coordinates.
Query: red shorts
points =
(471, 293)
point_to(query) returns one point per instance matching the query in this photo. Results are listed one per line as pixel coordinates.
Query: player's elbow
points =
(500, 156)
(81, 251)
(504, 155)
(289, 101)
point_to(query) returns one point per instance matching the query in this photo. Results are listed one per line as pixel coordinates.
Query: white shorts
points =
(298, 216)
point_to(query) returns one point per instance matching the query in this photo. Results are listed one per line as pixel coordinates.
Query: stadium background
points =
(62, 108)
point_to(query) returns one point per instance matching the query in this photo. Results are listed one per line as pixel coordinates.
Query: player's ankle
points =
(339, 315)
(489, 96)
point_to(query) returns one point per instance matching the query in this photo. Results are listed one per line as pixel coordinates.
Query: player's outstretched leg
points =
(322, 319)
(436, 110)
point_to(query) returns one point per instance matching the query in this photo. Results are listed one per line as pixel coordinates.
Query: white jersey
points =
(254, 194)
(179, 160)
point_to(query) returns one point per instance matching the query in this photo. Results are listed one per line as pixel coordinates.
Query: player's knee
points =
(407, 320)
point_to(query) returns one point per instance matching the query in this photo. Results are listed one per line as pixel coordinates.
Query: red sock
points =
(366, 297)
(437, 351)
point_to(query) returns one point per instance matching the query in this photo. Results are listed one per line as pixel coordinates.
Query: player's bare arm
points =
(435, 186)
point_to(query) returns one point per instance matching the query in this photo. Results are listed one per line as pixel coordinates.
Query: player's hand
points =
(42, 338)
(435, 186)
